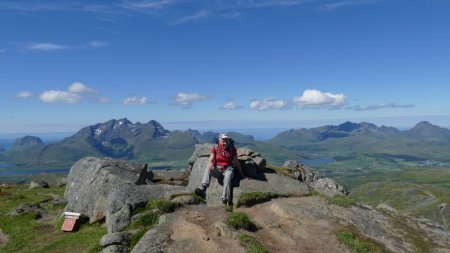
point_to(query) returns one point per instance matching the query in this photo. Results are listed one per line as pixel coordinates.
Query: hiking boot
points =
(200, 192)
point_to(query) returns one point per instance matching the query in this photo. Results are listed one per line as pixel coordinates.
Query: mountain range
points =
(151, 142)
(114, 138)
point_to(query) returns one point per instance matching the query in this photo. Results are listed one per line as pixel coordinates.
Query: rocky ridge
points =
(113, 189)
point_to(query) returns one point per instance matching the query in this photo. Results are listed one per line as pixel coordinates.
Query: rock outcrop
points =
(262, 182)
(38, 184)
(297, 224)
(110, 188)
(37, 209)
(312, 178)
(186, 232)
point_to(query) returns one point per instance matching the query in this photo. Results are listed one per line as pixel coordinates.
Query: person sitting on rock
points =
(220, 165)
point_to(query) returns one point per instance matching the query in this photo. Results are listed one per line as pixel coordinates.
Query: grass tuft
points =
(197, 199)
(350, 240)
(239, 220)
(148, 219)
(343, 201)
(135, 238)
(163, 205)
(252, 245)
(252, 198)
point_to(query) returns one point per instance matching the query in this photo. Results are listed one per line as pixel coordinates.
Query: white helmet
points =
(224, 136)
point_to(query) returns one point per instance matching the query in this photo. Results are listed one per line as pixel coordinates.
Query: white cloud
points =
(317, 99)
(135, 101)
(268, 3)
(46, 47)
(97, 44)
(147, 4)
(269, 104)
(198, 15)
(377, 107)
(78, 87)
(76, 92)
(58, 96)
(24, 94)
(104, 100)
(230, 106)
(186, 100)
(341, 4)
(35, 6)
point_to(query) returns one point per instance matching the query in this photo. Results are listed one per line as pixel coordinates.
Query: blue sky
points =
(223, 64)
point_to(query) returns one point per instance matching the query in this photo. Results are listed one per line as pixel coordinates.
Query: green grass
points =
(343, 201)
(197, 199)
(352, 178)
(20, 231)
(279, 169)
(84, 240)
(239, 220)
(163, 205)
(252, 198)
(136, 237)
(26, 234)
(252, 245)
(148, 219)
(350, 240)
(417, 238)
(418, 200)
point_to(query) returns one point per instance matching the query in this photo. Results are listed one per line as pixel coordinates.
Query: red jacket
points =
(223, 157)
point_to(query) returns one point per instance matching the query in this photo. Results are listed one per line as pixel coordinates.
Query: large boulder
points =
(263, 182)
(251, 162)
(109, 188)
(201, 150)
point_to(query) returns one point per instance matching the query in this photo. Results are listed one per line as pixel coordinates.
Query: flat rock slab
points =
(306, 224)
(296, 225)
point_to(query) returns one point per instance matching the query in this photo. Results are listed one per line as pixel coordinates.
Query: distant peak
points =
(348, 126)
(423, 123)
(28, 141)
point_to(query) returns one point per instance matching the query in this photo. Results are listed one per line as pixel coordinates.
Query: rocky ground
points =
(283, 225)
(297, 224)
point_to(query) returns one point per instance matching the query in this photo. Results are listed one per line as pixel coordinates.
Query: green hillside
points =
(418, 192)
